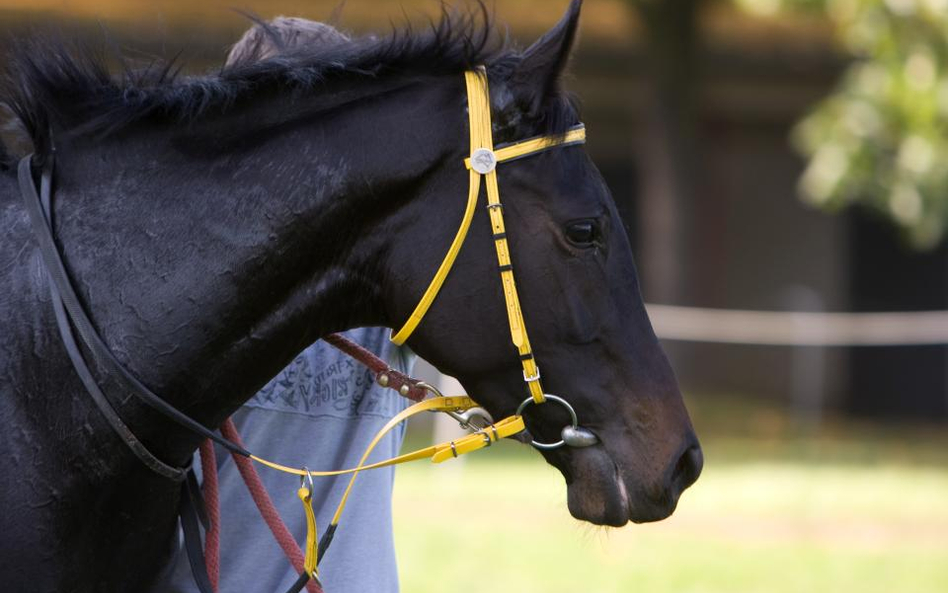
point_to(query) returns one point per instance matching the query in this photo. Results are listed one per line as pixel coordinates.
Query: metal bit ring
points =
(572, 415)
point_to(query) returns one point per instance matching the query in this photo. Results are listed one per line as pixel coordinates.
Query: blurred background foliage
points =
(880, 138)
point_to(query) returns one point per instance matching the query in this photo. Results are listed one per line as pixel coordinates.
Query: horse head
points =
(581, 302)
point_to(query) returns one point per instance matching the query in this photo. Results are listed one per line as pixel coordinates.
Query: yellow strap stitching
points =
(478, 440)
(518, 329)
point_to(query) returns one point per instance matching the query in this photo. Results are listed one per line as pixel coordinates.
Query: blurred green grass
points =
(780, 507)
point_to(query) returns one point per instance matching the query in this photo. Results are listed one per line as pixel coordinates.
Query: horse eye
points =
(582, 233)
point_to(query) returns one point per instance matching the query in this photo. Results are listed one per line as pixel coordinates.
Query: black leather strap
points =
(298, 585)
(325, 541)
(189, 513)
(60, 282)
(69, 312)
(200, 506)
(75, 354)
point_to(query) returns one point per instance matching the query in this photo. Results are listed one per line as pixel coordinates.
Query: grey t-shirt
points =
(321, 411)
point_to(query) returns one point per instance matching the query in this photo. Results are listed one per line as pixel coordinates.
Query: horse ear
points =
(538, 73)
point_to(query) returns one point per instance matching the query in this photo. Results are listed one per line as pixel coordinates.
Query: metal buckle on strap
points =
(531, 378)
(488, 441)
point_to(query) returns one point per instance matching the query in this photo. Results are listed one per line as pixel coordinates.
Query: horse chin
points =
(598, 493)
(594, 490)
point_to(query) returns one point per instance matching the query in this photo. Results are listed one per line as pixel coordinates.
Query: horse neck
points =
(207, 270)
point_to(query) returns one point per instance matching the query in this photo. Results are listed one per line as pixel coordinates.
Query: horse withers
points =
(215, 226)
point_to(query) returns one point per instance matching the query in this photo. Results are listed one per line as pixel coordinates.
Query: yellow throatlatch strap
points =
(312, 541)
(426, 299)
(437, 453)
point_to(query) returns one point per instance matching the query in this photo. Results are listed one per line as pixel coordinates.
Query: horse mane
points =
(53, 83)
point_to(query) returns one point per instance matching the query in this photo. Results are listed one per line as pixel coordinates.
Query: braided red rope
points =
(269, 513)
(212, 539)
(398, 381)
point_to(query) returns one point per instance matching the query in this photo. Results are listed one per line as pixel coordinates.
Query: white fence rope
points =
(778, 328)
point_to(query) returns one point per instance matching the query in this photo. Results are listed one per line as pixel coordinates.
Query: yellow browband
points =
(482, 163)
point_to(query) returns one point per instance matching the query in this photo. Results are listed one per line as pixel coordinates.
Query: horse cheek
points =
(582, 325)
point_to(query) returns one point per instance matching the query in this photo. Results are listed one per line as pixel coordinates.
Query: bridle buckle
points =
(531, 378)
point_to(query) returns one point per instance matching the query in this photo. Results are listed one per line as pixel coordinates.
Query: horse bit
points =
(482, 163)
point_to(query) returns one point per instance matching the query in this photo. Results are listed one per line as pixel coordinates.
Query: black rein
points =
(68, 309)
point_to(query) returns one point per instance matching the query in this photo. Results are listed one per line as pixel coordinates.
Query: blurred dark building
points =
(713, 212)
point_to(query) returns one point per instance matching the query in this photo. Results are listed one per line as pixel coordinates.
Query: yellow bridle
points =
(483, 163)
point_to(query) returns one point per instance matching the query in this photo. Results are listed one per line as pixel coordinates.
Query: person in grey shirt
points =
(321, 411)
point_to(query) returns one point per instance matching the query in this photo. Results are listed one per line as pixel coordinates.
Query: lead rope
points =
(211, 493)
(266, 507)
(385, 376)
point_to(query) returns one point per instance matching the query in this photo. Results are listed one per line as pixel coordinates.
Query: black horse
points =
(216, 226)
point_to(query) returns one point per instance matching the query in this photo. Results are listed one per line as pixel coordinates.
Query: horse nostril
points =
(687, 469)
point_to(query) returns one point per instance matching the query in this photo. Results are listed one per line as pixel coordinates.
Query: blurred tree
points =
(881, 139)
